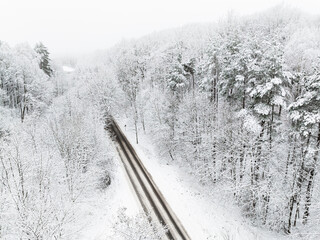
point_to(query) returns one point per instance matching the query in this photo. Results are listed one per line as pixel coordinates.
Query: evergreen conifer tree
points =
(44, 58)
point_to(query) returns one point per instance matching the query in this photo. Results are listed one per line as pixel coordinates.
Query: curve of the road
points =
(149, 195)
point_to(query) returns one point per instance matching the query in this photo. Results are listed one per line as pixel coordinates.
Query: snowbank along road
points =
(150, 197)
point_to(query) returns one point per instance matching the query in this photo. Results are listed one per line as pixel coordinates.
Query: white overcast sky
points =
(80, 26)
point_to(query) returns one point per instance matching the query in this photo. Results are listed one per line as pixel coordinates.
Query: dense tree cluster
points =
(238, 103)
(23, 85)
(53, 148)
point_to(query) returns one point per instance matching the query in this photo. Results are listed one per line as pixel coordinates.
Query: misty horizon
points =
(80, 28)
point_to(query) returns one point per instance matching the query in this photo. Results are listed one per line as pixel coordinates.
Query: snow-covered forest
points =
(235, 104)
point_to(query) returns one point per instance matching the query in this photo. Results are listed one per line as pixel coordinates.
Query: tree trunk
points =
(271, 128)
(136, 121)
(311, 179)
(244, 95)
(300, 180)
(143, 122)
(256, 167)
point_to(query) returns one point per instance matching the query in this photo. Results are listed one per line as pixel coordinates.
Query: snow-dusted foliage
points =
(237, 104)
(137, 227)
(46, 166)
(52, 151)
(24, 86)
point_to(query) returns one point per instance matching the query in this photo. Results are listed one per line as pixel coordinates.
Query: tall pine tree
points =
(44, 63)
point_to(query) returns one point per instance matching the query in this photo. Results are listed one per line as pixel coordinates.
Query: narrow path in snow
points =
(148, 193)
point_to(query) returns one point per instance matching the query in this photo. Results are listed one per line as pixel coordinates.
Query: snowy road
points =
(148, 193)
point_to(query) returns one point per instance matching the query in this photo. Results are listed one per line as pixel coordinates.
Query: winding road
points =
(149, 195)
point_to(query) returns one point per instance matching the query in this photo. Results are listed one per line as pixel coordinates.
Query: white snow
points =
(240, 78)
(276, 81)
(99, 211)
(67, 69)
(279, 101)
(251, 124)
(262, 109)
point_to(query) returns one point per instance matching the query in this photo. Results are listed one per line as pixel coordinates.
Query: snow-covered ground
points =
(67, 69)
(98, 211)
(205, 216)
